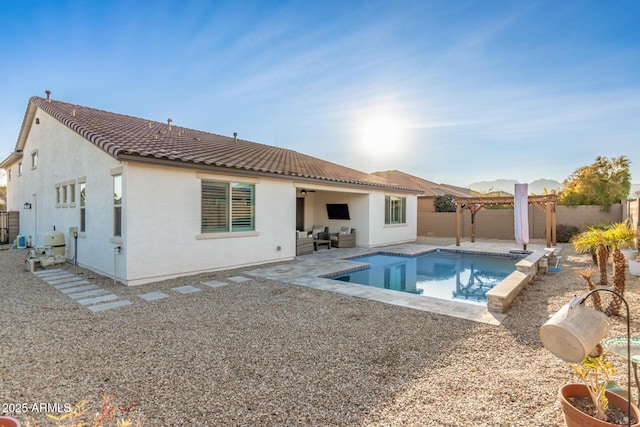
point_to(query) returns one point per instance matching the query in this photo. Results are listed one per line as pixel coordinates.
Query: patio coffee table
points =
(319, 242)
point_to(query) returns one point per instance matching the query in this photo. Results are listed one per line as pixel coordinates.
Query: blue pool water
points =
(446, 275)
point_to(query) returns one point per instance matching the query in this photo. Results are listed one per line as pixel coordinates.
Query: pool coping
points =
(311, 271)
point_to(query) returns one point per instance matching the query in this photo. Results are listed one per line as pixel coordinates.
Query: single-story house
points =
(151, 200)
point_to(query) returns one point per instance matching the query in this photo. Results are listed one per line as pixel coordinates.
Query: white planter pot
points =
(634, 268)
(630, 254)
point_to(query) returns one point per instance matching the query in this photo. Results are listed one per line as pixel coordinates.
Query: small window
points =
(117, 205)
(34, 159)
(83, 201)
(58, 194)
(72, 193)
(8, 174)
(64, 193)
(395, 210)
(19, 168)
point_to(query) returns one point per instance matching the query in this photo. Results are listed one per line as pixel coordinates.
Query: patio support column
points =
(473, 223)
(547, 216)
(474, 208)
(553, 224)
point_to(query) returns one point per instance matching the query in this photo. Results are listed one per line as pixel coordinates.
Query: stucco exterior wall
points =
(163, 229)
(63, 158)
(387, 234)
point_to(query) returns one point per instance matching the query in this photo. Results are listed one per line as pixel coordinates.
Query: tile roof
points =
(132, 138)
(430, 189)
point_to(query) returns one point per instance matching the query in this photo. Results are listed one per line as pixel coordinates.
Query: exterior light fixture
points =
(303, 192)
(27, 205)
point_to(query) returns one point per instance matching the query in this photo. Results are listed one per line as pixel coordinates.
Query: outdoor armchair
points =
(346, 238)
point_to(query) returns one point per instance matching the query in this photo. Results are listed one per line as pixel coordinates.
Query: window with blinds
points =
(221, 213)
(395, 210)
(242, 207)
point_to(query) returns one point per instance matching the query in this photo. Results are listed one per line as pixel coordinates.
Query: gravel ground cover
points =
(264, 353)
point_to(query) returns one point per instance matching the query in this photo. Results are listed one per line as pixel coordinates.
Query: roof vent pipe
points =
(169, 123)
(48, 92)
(235, 137)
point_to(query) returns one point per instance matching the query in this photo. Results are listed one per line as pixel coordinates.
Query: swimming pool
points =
(454, 276)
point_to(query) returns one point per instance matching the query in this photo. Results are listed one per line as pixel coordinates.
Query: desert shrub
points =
(444, 203)
(564, 232)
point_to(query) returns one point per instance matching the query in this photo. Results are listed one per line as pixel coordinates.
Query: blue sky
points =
(452, 91)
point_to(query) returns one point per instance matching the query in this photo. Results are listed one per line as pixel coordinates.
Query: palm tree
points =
(618, 236)
(594, 241)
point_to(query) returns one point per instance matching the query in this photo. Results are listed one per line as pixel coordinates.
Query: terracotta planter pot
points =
(8, 422)
(576, 418)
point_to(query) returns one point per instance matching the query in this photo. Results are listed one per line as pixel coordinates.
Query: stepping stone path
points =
(83, 292)
(97, 299)
(152, 296)
(186, 289)
(214, 284)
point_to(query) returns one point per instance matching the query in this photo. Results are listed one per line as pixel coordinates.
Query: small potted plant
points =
(591, 404)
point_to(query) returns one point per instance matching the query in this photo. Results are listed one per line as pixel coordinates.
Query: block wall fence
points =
(498, 223)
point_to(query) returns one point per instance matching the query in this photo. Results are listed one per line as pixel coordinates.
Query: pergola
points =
(547, 204)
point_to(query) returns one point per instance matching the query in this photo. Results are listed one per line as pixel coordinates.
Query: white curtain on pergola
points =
(521, 214)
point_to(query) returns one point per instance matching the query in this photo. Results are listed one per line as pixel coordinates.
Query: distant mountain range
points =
(507, 185)
(536, 187)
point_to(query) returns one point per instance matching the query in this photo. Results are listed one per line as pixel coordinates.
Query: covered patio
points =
(357, 208)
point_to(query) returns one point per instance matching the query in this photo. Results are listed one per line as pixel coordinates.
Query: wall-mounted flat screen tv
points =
(338, 211)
